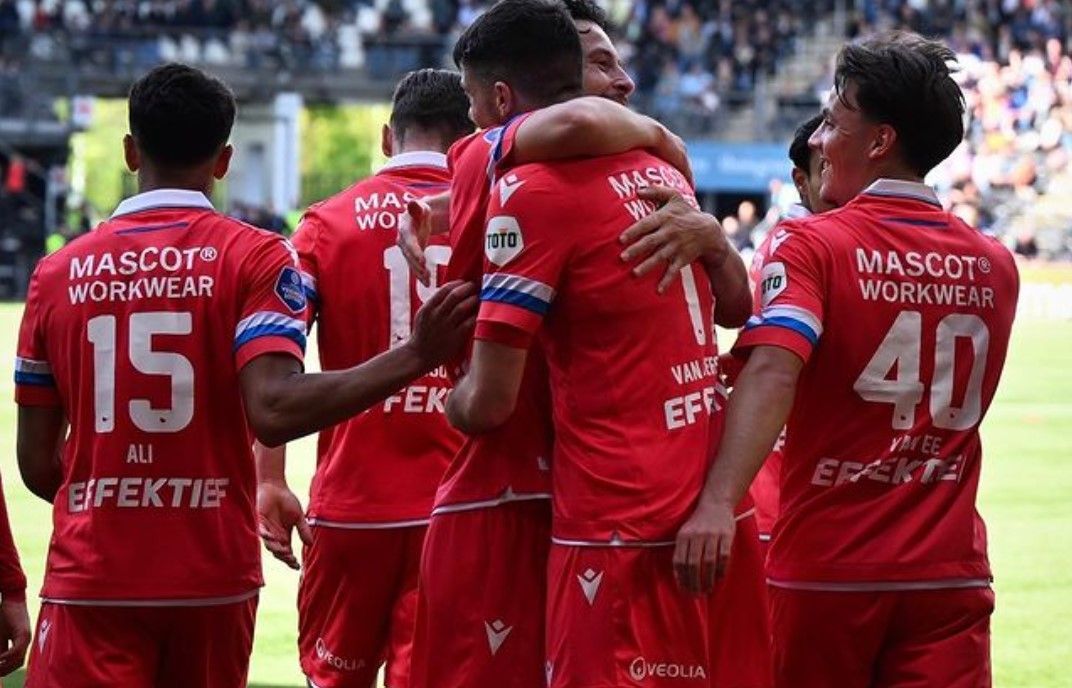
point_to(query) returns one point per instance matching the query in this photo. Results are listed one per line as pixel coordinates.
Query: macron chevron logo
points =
(507, 187)
(497, 632)
(590, 581)
(780, 238)
(42, 634)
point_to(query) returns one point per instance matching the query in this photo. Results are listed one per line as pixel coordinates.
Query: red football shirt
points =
(382, 466)
(138, 330)
(633, 374)
(12, 579)
(511, 462)
(902, 315)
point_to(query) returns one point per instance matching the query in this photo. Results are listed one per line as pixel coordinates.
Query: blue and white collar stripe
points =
(901, 188)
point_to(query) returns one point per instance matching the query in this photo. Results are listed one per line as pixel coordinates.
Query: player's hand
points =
(14, 635)
(444, 324)
(280, 512)
(414, 228)
(674, 151)
(702, 551)
(675, 235)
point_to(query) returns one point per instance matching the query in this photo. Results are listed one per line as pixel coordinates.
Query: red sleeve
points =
(306, 239)
(792, 289)
(34, 382)
(273, 310)
(503, 150)
(12, 579)
(525, 252)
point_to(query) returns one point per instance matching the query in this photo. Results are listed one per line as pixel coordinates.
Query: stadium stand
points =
(733, 70)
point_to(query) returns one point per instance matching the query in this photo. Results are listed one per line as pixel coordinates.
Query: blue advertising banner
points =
(738, 167)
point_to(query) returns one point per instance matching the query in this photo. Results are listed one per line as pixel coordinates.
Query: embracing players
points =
(887, 320)
(168, 338)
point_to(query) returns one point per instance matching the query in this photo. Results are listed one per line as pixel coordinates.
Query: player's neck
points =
(152, 180)
(895, 171)
(415, 143)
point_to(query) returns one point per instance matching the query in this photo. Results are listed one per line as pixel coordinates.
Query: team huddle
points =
(535, 466)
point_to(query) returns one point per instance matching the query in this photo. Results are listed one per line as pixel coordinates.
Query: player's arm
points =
(590, 127)
(423, 218)
(757, 411)
(486, 396)
(283, 403)
(778, 341)
(677, 234)
(14, 618)
(279, 510)
(38, 444)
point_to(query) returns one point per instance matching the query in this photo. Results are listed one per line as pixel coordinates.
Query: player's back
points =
(633, 373)
(145, 323)
(883, 445)
(382, 465)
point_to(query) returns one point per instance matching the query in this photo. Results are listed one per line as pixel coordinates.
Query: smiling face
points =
(847, 143)
(603, 72)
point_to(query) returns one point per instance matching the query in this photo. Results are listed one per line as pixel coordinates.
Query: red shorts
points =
(616, 617)
(142, 647)
(356, 605)
(740, 619)
(480, 614)
(882, 639)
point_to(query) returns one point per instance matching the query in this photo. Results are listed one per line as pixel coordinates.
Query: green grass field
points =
(1026, 499)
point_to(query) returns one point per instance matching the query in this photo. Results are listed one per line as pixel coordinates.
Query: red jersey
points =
(139, 330)
(902, 315)
(511, 462)
(383, 465)
(12, 579)
(633, 373)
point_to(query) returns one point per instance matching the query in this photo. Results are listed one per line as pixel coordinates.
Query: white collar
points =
(900, 188)
(796, 212)
(163, 198)
(416, 159)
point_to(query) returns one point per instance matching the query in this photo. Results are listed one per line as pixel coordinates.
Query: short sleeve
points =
(305, 240)
(502, 149)
(273, 310)
(526, 248)
(35, 384)
(790, 295)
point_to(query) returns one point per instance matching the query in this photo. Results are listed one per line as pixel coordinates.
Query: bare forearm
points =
(303, 403)
(729, 284)
(589, 126)
(271, 463)
(39, 448)
(440, 217)
(758, 409)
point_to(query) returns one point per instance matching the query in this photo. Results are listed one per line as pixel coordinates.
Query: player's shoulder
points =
(476, 144)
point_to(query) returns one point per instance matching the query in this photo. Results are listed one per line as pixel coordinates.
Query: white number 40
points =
(901, 348)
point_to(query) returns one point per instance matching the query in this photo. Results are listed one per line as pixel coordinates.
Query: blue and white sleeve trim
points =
(309, 285)
(530, 294)
(800, 320)
(31, 372)
(269, 324)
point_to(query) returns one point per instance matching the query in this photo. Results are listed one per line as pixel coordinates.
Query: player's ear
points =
(800, 181)
(883, 142)
(223, 162)
(504, 100)
(130, 153)
(386, 141)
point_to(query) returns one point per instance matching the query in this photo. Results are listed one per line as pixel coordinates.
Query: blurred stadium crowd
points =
(695, 62)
